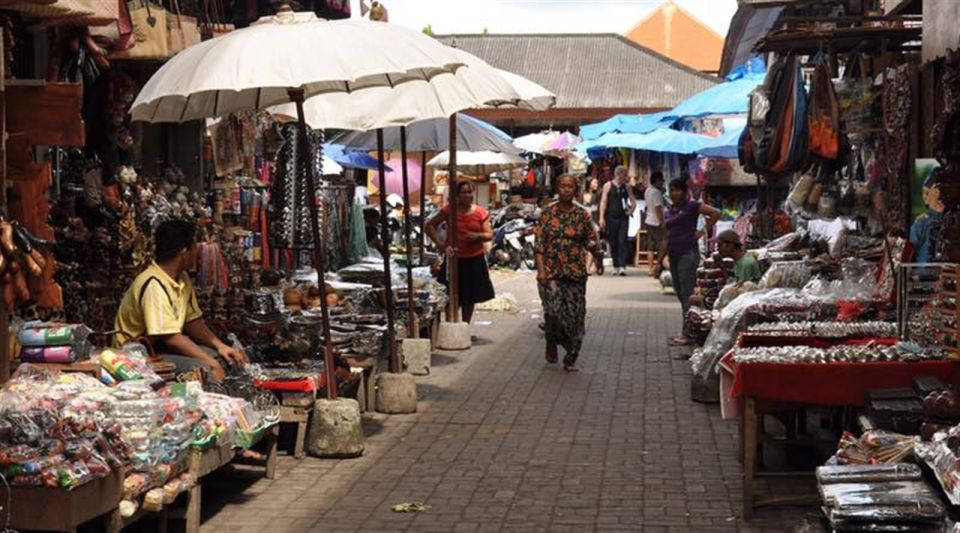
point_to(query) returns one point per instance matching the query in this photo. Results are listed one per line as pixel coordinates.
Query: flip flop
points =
(678, 341)
(570, 368)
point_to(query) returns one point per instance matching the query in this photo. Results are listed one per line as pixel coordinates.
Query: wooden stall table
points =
(368, 387)
(297, 397)
(204, 462)
(43, 509)
(90, 367)
(766, 388)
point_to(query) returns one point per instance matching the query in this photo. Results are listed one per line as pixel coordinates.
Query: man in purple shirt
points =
(680, 246)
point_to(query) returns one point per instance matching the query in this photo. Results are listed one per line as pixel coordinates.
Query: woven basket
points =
(105, 12)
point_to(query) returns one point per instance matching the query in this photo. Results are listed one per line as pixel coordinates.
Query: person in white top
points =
(653, 222)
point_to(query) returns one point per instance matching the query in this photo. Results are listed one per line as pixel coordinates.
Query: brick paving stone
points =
(503, 442)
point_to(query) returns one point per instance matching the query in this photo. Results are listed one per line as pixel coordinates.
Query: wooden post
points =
(411, 316)
(319, 261)
(749, 454)
(423, 204)
(453, 283)
(385, 245)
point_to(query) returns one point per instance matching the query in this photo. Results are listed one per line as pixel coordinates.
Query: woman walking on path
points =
(564, 235)
(473, 229)
(680, 245)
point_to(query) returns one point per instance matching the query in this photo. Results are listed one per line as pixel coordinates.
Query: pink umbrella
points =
(395, 177)
(563, 143)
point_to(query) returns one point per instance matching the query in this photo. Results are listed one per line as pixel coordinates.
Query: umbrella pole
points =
(423, 204)
(412, 331)
(319, 261)
(452, 277)
(385, 245)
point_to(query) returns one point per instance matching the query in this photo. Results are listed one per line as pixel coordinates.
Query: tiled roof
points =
(677, 34)
(589, 70)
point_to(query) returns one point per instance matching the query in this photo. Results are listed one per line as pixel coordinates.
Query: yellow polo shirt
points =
(155, 304)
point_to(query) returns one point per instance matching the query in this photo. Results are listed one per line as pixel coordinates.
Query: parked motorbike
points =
(513, 245)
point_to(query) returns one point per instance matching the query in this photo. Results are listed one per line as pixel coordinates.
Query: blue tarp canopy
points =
(349, 158)
(625, 124)
(732, 97)
(726, 145)
(661, 140)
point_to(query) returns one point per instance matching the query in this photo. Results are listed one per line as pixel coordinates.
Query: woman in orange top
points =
(473, 230)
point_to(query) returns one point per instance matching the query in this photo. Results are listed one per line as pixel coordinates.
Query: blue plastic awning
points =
(660, 140)
(726, 145)
(348, 158)
(731, 97)
(626, 124)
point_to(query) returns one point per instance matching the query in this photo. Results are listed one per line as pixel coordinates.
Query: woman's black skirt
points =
(475, 285)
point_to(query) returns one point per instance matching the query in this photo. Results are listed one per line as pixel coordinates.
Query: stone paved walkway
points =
(504, 442)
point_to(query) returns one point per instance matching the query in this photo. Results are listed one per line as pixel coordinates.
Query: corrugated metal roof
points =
(585, 71)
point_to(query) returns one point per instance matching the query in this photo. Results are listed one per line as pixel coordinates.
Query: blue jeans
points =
(683, 270)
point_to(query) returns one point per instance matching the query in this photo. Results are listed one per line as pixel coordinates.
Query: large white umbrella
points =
(477, 86)
(357, 65)
(433, 136)
(479, 163)
(294, 56)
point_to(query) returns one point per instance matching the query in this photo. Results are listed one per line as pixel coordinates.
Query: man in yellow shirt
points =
(162, 306)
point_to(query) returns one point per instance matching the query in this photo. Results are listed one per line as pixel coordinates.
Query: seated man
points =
(162, 306)
(745, 266)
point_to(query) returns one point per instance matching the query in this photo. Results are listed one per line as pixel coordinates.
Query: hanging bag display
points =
(117, 36)
(182, 30)
(213, 20)
(824, 114)
(149, 32)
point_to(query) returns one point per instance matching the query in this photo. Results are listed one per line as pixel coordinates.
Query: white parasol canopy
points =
(365, 74)
(479, 163)
(475, 85)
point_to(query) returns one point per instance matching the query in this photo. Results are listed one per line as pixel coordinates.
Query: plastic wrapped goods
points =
(45, 334)
(868, 473)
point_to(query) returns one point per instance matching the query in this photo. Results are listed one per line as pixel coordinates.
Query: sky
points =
(543, 16)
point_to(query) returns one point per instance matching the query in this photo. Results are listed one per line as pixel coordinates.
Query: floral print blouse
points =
(563, 238)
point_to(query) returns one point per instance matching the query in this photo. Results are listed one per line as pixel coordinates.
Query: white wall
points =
(940, 27)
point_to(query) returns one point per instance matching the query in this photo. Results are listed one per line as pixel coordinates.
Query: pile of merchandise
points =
(885, 497)
(64, 430)
(53, 343)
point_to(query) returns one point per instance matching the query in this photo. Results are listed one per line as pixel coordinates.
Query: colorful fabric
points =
(681, 223)
(563, 238)
(565, 309)
(52, 354)
(47, 334)
(155, 304)
(470, 222)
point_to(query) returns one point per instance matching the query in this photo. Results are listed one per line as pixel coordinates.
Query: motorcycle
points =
(513, 245)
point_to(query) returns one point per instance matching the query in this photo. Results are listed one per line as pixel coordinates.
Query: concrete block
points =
(416, 356)
(396, 393)
(454, 336)
(335, 429)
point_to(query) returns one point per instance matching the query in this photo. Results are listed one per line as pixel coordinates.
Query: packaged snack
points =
(153, 500)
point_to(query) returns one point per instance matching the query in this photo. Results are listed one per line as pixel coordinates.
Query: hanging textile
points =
(357, 248)
(290, 200)
(227, 146)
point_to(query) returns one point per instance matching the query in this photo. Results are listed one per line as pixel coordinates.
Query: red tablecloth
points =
(832, 384)
(298, 385)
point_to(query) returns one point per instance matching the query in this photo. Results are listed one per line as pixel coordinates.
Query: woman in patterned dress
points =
(564, 236)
